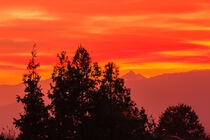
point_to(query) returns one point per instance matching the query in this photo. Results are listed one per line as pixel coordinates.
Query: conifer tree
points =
(74, 84)
(61, 106)
(116, 115)
(33, 122)
(86, 106)
(86, 76)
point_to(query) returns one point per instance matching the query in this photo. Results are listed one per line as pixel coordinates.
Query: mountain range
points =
(155, 94)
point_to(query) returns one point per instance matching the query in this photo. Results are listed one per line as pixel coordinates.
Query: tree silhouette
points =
(116, 116)
(182, 121)
(87, 75)
(74, 84)
(88, 103)
(61, 107)
(33, 122)
(88, 106)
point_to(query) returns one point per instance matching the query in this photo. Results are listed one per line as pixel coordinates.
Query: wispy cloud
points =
(12, 65)
(30, 15)
(204, 43)
(166, 65)
(8, 16)
(203, 52)
(136, 34)
(29, 54)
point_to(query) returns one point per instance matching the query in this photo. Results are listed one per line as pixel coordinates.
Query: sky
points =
(150, 37)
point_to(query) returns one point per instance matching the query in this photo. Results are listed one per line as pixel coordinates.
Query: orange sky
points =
(150, 37)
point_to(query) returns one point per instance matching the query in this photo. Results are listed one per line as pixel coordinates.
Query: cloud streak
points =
(146, 34)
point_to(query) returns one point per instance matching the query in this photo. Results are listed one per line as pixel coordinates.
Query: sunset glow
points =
(147, 36)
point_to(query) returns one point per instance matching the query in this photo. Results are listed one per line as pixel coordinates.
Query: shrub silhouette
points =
(7, 134)
(182, 121)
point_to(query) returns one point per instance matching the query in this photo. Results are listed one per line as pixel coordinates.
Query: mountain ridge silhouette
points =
(155, 94)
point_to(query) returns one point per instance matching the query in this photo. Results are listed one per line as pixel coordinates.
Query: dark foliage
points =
(74, 86)
(181, 121)
(62, 120)
(116, 116)
(91, 103)
(7, 135)
(88, 106)
(33, 123)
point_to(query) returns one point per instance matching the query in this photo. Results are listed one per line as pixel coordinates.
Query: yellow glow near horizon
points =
(204, 43)
(146, 69)
(184, 53)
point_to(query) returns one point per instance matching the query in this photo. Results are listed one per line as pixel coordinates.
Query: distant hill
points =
(155, 94)
(9, 108)
(132, 76)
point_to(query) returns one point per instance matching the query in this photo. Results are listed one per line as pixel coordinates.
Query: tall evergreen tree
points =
(87, 106)
(33, 122)
(74, 83)
(116, 115)
(61, 107)
(86, 75)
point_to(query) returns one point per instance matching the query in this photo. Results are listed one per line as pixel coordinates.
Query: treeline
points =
(92, 103)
